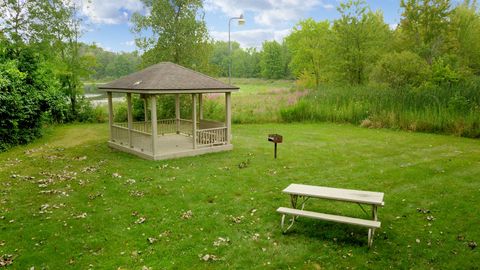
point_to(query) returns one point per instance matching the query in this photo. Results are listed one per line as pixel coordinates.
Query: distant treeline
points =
(110, 65)
(424, 75)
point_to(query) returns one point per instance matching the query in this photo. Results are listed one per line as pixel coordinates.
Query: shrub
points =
(451, 109)
(404, 69)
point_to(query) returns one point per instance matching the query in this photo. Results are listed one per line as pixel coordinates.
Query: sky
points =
(106, 22)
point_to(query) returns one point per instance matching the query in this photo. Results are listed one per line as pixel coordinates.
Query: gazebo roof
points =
(166, 78)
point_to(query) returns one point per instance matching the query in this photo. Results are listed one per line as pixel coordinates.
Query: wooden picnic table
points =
(305, 192)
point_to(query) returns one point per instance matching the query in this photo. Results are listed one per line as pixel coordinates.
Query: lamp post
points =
(241, 21)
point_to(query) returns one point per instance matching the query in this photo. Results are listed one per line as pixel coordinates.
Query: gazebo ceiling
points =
(166, 78)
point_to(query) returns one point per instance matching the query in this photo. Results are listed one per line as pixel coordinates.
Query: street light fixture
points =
(241, 21)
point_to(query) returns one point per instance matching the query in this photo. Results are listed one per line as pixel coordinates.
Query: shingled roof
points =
(166, 77)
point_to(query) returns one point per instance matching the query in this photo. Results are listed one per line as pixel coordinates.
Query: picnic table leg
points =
(371, 231)
(293, 201)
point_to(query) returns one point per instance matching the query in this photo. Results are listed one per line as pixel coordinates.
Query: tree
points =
(465, 28)
(220, 56)
(359, 38)
(272, 60)
(309, 46)
(179, 33)
(61, 20)
(16, 19)
(424, 27)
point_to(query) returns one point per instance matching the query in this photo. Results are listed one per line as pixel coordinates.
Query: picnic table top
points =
(349, 195)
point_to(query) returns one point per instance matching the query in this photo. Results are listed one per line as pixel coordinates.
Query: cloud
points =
(129, 43)
(267, 12)
(110, 11)
(252, 38)
(393, 26)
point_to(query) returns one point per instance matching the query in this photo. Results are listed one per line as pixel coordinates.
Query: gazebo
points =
(158, 139)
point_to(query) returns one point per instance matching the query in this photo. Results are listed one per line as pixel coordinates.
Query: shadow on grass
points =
(338, 233)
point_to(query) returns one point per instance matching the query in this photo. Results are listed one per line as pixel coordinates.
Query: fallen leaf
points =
(187, 215)
(221, 242)
(208, 257)
(5, 260)
(82, 215)
(141, 220)
(151, 240)
(130, 181)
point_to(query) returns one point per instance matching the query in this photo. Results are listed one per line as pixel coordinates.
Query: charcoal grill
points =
(275, 138)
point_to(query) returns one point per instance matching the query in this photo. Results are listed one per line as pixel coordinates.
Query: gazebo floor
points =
(173, 146)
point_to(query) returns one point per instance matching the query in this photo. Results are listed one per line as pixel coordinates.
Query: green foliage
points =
(272, 61)
(359, 38)
(445, 108)
(179, 33)
(443, 74)
(400, 70)
(309, 46)
(465, 28)
(110, 65)
(87, 113)
(245, 63)
(27, 95)
(424, 27)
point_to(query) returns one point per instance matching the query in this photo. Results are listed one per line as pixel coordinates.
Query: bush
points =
(451, 109)
(20, 107)
(398, 70)
(87, 113)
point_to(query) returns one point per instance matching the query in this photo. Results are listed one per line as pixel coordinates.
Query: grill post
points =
(275, 154)
(275, 138)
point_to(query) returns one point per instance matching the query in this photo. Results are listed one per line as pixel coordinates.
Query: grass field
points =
(258, 100)
(68, 201)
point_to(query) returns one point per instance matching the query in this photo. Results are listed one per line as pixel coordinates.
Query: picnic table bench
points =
(305, 192)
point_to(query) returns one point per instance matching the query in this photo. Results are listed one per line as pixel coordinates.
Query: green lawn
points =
(260, 100)
(64, 205)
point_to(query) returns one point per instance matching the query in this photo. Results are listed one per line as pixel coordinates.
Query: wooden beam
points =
(177, 112)
(110, 114)
(194, 120)
(200, 106)
(153, 108)
(145, 112)
(228, 116)
(145, 109)
(129, 118)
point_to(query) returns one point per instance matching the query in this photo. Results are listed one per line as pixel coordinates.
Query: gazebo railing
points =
(140, 136)
(120, 135)
(169, 126)
(212, 136)
(142, 141)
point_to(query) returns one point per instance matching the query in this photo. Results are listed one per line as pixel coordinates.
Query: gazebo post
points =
(153, 106)
(145, 112)
(200, 106)
(228, 115)
(194, 120)
(129, 118)
(110, 114)
(177, 112)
